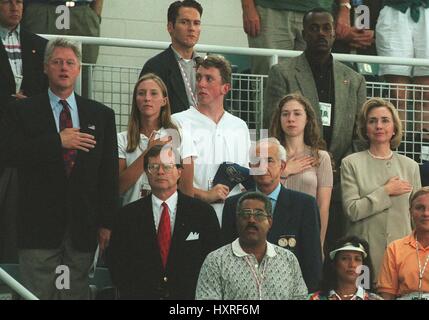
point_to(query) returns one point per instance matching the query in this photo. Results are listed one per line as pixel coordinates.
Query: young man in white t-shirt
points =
(217, 135)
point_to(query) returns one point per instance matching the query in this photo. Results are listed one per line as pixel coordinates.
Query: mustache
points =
(251, 226)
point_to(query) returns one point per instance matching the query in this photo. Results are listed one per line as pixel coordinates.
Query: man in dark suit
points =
(160, 242)
(21, 56)
(176, 65)
(296, 220)
(21, 75)
(65, 151)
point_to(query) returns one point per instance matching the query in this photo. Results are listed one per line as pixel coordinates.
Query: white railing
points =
(107, 85)
(16, 286)
(273, 53)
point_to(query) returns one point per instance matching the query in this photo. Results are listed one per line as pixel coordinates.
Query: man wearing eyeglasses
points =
(296, 219)
(21, 76)
(251, 268)
(160, 241)
(65, 150)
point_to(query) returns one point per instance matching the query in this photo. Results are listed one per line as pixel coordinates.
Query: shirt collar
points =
(4, 32)
(318, 67)
(411, 241)
(179, 57)
(275, 194)
(171, 201)
(55, 100)
(239, 252)
(359, 295)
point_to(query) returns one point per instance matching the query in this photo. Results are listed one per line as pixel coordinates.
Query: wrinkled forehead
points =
(63, 53)
(421, 199)
(253, 204)
(166, 156)
(213, 71)
(266, 149)
(318, 18)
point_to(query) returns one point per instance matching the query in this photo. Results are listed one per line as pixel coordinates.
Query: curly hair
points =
(312, 136)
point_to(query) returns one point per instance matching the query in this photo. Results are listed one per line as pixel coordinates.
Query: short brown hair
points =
(173, 9)
(156, 150)
(363, 118)
(219, 62)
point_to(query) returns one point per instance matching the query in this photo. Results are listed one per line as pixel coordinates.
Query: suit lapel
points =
(5, 68)
(149, 230)
(307, 85)
(45, 113)
(282, 214)
(180, 228)
(84, 118)
(177, 82)
(342, 87)
(27, 53)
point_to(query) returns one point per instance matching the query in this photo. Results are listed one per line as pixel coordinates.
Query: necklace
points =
(389, 156)
(421, 271)
(340, 296)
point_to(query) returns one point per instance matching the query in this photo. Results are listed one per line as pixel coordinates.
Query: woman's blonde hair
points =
(134, 125)
(363, 118)
(422, 191)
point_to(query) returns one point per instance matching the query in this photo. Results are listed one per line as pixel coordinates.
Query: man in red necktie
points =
(160, 241)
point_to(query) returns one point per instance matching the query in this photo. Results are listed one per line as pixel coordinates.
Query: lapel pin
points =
(283, 242)
(33, 51)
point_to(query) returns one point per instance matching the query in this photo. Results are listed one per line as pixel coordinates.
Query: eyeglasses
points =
(154, 167)
(259, 214)
(257, 162)
(60, 62)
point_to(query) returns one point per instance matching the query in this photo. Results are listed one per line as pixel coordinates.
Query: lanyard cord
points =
(188, 84)
(255, 276)
(421, 271)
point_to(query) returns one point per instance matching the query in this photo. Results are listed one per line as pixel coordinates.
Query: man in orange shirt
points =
(404, 273)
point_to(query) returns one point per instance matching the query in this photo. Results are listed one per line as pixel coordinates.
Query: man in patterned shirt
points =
(251, 268)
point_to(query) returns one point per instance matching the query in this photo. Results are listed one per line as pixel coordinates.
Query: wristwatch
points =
(345, 4)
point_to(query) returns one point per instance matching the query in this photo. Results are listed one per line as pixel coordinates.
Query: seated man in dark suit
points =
(160, 242)
(176, 65)
(296, 220)
(21, 75)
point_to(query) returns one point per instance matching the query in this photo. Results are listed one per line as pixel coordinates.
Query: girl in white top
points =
(308, 167)
(149, 124)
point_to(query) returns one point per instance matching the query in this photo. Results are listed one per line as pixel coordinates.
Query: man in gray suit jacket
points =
(335, 91)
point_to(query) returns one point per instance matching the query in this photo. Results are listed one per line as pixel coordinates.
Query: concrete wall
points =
(147, 20)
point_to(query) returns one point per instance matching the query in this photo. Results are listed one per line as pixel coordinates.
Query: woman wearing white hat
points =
(346, 271)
